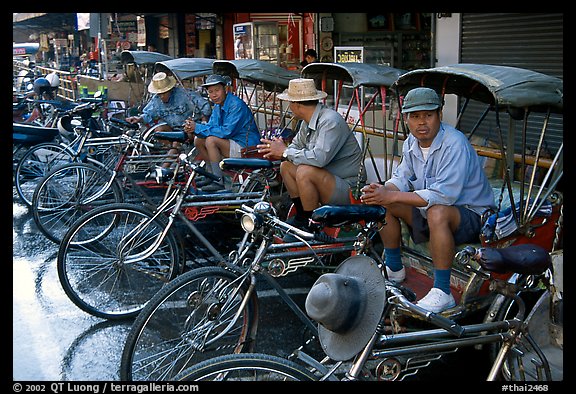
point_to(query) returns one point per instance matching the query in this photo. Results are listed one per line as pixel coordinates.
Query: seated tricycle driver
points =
(439, 190)
(322, 163)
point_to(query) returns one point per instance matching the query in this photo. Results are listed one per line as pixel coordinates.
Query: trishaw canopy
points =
(503, 86)
(142, 57)
(357, 74)
(273, 77)
(187, 67)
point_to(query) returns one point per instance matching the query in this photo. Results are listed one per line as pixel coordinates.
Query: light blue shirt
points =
(232, 120)
(181, 105)
(452, 174)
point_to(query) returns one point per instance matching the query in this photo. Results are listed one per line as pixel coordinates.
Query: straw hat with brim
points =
(302, 89)
(348, 305)
(161, 83)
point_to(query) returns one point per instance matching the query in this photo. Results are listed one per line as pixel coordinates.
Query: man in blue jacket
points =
(230, 128)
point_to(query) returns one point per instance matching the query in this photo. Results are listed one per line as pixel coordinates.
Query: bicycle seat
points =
(339, 215)
(236, 163)
(178, 136)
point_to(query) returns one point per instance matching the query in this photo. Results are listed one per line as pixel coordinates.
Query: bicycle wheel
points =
(69, 191)
(524, 361)
(188, 321)
(246, 367)
(35, 164)
(114, 259)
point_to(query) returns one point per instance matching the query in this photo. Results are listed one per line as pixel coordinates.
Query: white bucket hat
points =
(302, 89)
(348, 305)
(161, 83)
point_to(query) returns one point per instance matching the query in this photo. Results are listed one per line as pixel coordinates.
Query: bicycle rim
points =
(108, 268)
(247, 367)
(178, 327)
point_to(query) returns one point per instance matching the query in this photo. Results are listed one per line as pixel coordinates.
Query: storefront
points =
(397, 40)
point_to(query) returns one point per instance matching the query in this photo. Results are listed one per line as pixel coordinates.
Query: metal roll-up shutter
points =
(532, 41)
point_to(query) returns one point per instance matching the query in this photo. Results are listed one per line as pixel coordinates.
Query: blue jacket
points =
(232, 120)
(181, 105)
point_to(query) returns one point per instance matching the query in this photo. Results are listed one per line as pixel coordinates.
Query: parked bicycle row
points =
(184, 259)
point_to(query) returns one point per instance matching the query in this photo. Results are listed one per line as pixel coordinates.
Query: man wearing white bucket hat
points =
(439, 189)
(322, 163)
(172, 105)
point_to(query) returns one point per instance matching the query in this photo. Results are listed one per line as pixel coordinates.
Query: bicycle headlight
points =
(251, 222)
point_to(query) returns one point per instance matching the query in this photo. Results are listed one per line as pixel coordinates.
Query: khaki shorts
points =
(341, 195)
(235, 149)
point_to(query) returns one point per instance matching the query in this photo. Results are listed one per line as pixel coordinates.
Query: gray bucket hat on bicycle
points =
(348, 305)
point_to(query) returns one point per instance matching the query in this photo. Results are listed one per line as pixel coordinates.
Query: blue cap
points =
(421, 99)
(215, 79)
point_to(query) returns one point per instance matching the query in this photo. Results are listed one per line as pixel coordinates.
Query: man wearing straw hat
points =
(322, 163)
(173, 105)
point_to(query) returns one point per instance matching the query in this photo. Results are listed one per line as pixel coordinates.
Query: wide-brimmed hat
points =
(302, 89)
(161, 83)
(421, 99)
(348, 305)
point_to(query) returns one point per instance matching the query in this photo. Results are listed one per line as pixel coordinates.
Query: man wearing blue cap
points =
(439, 189)
(230, 128)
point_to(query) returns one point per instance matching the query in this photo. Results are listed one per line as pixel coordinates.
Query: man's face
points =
(424, 125)
(217, 93)
(165, 96)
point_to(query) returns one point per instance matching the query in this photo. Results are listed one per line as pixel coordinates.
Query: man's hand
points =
(133, 119)
(189, 127)
(272, 148)
(376, 194)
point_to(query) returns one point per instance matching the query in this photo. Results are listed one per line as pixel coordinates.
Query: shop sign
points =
(349, 54)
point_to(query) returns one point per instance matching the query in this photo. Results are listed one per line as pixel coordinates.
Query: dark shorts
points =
(467, 232)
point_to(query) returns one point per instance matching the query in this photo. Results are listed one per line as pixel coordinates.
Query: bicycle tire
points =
(35, 164)
(247, 367)
(69, 191)
(164, 338)
(105, 271)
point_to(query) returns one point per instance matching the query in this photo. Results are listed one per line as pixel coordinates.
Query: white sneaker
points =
(436, 301)
(396, 276)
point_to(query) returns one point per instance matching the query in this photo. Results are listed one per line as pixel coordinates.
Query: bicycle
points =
(387, 353)
(114, 258)
(214, 310)
(40, 158)
(71, 189)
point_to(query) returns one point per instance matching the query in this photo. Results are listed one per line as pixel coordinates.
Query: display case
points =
(405, 50)
(256, 40)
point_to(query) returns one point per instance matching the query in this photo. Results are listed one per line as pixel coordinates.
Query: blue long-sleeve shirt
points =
(452, 174)
(181, 105)
(232, 120)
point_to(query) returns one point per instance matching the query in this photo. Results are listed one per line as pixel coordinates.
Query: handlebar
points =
(123, 123)
(200, 170)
